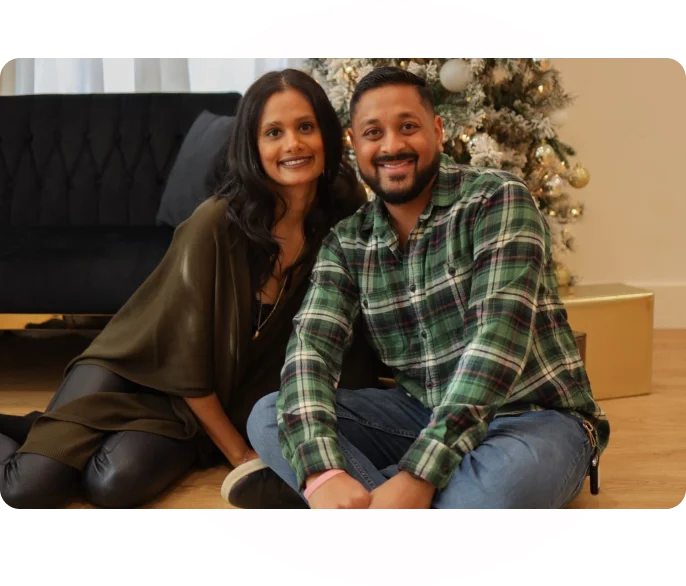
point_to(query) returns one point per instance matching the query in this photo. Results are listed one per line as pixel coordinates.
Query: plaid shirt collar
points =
(445, 192)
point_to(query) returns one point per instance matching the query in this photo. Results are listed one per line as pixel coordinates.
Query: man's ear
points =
(438, 127)
(349, 134)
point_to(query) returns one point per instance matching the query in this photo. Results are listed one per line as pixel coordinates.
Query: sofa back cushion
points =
(198, 168)
(93, 159)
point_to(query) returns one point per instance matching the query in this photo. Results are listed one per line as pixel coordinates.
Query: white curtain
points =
(68, 76)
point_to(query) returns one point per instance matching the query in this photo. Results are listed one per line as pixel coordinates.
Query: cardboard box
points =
(580, 338)
(618, 322)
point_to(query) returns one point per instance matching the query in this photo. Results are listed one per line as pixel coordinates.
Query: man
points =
(451, 269)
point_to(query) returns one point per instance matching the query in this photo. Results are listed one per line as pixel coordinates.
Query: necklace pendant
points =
(255, 335)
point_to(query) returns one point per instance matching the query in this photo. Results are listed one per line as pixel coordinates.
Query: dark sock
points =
(17, 427)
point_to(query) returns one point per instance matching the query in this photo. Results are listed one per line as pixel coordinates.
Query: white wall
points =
(628, 126)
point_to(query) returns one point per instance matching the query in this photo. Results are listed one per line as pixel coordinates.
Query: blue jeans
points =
(535, 460)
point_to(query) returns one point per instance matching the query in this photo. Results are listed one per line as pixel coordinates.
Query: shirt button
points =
(412, 288)
(452, 271)
(429, 385)
(424, 334)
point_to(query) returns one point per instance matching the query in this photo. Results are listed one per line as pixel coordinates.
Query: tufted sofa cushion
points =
(81, 178)
(94, 159)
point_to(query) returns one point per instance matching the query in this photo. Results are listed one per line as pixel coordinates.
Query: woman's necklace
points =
(278, 298)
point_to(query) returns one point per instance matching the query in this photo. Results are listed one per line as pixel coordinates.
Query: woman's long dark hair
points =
(253, 203)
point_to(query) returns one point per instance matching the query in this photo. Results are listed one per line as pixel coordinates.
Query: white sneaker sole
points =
(238, 474)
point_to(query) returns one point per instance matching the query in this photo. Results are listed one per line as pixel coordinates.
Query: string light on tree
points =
(502, 113)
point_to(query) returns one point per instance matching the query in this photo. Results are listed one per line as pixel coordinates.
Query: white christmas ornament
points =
(559, 118)
(554, 186)
(455, 75)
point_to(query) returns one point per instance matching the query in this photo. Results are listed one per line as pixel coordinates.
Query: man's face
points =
(398, 142)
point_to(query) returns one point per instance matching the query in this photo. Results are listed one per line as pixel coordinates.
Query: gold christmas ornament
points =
(545, 154)
(562, 276)
(579, 176)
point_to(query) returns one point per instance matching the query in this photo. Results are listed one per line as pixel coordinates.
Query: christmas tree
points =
(497, 113)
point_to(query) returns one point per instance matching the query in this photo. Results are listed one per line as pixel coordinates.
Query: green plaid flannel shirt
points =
(467, 317)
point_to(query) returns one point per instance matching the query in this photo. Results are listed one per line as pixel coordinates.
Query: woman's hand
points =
(222, 432)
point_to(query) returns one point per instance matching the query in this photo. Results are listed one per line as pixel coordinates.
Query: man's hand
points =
(340, 492)
(403, 491)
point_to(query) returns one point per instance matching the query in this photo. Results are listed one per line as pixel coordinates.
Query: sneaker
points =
(254, 485)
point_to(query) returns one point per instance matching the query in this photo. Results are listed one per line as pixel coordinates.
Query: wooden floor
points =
(643, 467)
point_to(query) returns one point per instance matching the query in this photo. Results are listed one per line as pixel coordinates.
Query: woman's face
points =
(289, 140)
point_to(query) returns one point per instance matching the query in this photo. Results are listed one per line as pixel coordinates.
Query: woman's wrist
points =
(236, 457)
(246, 456)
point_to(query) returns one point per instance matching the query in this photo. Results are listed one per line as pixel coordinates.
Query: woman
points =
(172, 378)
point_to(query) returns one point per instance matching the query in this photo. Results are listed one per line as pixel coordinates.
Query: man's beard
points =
(421, 179)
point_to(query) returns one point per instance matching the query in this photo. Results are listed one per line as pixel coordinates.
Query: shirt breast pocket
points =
(387, 318)
(451, 286)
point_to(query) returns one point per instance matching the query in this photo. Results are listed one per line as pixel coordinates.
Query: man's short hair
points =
(383, 76)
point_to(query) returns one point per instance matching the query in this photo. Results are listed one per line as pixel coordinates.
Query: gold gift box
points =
(618, 322)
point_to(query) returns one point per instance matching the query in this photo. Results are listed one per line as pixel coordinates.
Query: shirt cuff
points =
(316, 455)
(430, 460)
